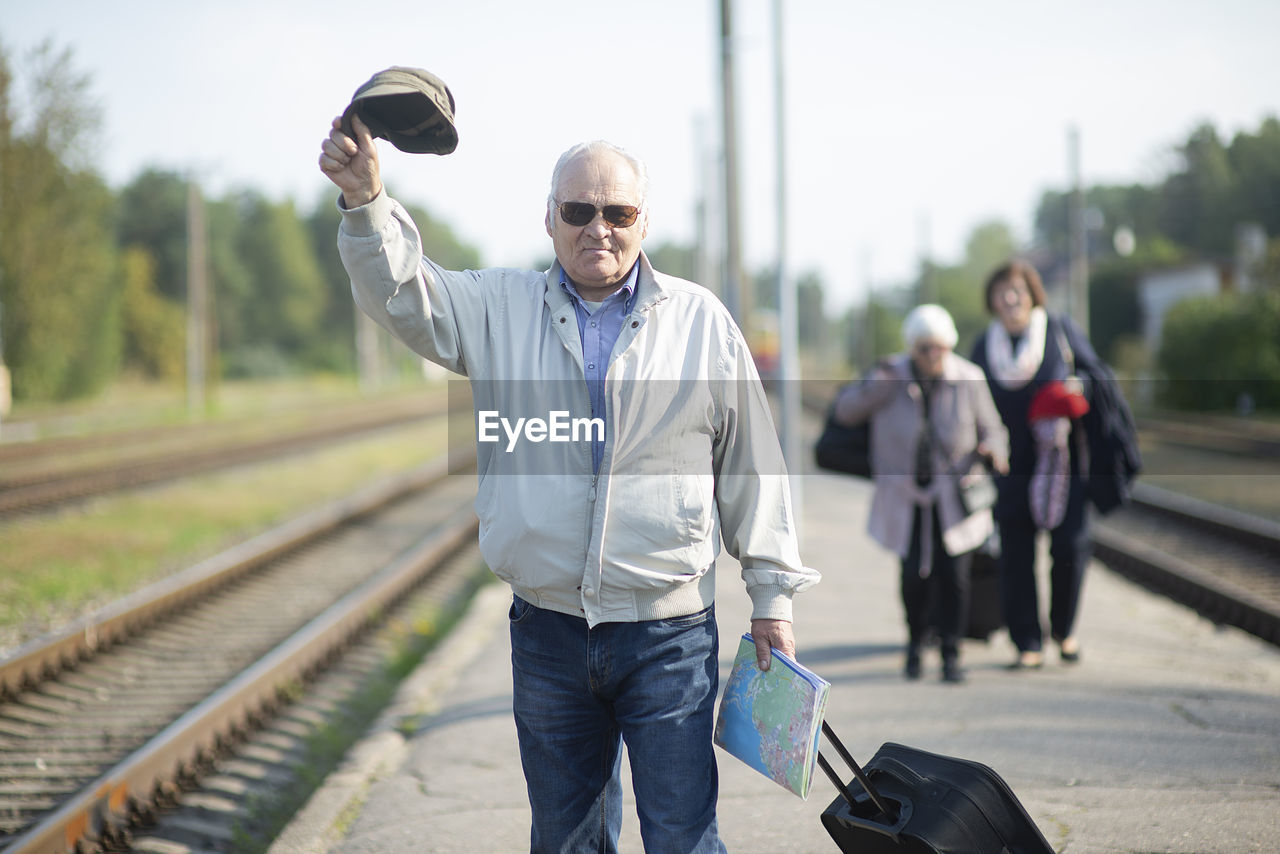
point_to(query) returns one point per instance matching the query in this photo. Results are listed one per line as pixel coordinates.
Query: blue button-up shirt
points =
(599, 331)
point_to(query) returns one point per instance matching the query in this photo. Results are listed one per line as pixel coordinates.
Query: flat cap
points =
(409, 107)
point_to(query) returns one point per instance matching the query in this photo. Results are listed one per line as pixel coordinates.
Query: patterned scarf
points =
(1049, 489)
(1010, 369)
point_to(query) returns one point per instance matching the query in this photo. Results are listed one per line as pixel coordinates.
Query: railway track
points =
(1240, 436)
(111, 718)
(104, 721)
(38, 476)
(1222, 563)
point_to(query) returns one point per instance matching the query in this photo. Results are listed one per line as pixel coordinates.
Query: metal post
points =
(197, 293)
(1079, 267)
(788, 332)
(923, 232)
(368, 363)
(6, 383)
(704, 170)
(6, 387)
(868, 315)
(737, 299)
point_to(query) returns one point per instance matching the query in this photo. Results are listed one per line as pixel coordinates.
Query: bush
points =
(1219, 351)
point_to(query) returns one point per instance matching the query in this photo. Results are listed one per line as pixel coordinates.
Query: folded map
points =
(771, 719)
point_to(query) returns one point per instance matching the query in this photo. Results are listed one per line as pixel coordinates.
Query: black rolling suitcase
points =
(914, 802)
(986, 614)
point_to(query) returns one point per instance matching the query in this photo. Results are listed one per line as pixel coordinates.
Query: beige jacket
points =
(962, 415)
(691, 456)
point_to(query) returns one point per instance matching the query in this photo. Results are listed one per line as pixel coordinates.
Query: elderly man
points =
(608, 543)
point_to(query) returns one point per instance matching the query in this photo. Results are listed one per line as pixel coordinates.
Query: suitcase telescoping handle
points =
(857, 772)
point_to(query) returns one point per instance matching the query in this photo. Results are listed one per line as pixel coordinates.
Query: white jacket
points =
(691, 455)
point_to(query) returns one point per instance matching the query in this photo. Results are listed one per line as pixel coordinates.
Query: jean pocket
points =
(690, 620)
(519, 609)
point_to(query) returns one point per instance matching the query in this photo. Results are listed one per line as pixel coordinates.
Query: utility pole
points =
(6, 383)
(868, 347)
(6, 389)
(923, 234)
(1079, 268)
(737, 299)
(368, 363)
(704, 171)
(788, 320)
(197, 302)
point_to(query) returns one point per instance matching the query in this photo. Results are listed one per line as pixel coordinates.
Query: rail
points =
(44, 475)
(1223, 563)
(96, 812)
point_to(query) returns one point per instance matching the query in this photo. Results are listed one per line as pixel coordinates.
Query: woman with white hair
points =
(933, 425)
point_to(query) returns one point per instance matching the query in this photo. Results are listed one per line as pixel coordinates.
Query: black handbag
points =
(977, 492)
(844, 449)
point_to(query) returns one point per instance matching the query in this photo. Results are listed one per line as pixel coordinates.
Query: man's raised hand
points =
(352, 164)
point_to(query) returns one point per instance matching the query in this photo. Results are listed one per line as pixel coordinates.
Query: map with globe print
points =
(771, 719)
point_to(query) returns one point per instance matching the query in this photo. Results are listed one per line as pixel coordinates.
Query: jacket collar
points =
(649, 291)
(951, 374)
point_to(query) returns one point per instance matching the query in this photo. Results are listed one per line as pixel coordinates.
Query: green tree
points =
(675, 260)
(59, 277)
(959, 289)
(153, 215)
(1255, 159)
(230, 283)
(1198, 205)
(440, 243)
(338, 322)
(874, 329)
(275, 326)
(812, 327)
(1136, 207)
(154, 325)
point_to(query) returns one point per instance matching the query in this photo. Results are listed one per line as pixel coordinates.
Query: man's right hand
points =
(352, 164)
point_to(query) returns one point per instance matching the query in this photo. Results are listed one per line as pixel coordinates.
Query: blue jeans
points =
(579, 693)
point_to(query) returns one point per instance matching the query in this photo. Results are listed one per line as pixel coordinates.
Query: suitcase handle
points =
(861, 776)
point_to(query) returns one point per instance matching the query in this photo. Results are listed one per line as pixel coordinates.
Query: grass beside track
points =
(55, 568)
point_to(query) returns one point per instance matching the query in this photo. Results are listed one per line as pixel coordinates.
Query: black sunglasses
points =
(581, 213)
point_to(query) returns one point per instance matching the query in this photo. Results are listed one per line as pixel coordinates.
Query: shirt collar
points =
(629, 285)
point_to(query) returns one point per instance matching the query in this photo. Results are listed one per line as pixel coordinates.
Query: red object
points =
(1054, 400)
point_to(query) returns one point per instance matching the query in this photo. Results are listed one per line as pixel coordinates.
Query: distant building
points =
(1250, 255)
(1162, 290)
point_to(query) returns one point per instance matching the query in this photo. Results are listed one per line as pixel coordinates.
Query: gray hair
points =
(599, 146)
(929, 322)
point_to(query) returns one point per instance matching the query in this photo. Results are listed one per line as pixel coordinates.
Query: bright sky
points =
(909, 123)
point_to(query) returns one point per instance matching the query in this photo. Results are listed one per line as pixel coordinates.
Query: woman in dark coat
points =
(1027, 351)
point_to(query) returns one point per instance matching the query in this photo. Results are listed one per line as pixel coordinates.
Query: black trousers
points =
(1070, 549)
(940, 598)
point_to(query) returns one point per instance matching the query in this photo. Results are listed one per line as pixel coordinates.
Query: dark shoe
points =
(1030, 659)
(1069, 650)
(912, 669)
(952, 672)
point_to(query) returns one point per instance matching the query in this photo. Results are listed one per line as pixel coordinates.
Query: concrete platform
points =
(1164, 738)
